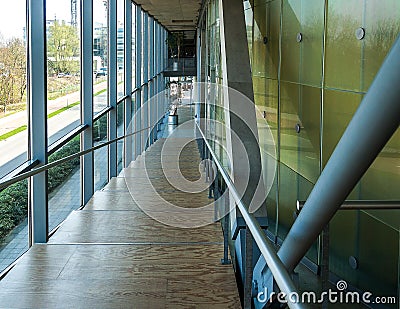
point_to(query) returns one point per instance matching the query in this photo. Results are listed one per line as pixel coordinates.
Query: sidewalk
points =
(13, 121)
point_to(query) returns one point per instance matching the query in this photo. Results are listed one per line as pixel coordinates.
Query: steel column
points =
(38, 116)
(128, 81)
(145, 91)
(138, 80)
(112, 87)
(151, 80)
(87, 163)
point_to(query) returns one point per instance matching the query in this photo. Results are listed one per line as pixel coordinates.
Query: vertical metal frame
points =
(145, 91)
(38, 116)
(87, 161)
(151, 79)
(128, 82)
(112, 87)
(138, 80)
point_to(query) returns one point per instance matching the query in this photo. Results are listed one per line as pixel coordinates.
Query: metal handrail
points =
(278, 270)
(360, 205)
(48, 166)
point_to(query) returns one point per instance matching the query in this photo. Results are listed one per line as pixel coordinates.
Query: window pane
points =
(120, 132)
(13, 223)
(63, 184)
(100, 155)
(63, 67)
(13, 83)
(100, 55)
(120, 47)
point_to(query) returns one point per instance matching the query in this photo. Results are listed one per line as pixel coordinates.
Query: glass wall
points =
(100, 55)
(13, 87)
(70, 127)
(310, 73)
(13, 131)
(63, 68)
(120, 47)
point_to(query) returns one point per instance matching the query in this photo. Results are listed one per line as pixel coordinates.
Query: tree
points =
(174, 42)
(62, 48)
(12, 72)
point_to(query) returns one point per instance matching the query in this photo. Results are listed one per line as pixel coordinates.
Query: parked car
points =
(101, 72)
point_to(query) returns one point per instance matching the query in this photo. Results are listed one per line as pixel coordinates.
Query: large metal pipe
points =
(375, 121)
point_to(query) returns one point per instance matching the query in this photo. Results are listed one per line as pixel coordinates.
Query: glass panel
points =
(64, 184)
(300, 129)
(63, 68)
(343, 50)
(13, 83)
(133, 45)
(120, 132)
(291, 18)
(100, 55)
(13, 223)
(302, 60)
(339, 108)
(382, 24)
(120, 47)
(351, 234)
(266, 39)
(100, 155)
(312, 28)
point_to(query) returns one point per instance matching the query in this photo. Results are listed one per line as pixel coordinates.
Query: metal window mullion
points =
(112, 87)
(138, 80)
(87, 161)
(128, 82)
(145, 90)
(38, 117)
(151, 77)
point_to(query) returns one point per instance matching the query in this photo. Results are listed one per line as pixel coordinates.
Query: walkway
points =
(112, 255)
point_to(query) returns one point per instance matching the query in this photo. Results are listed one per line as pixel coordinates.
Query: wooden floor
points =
(112, 254)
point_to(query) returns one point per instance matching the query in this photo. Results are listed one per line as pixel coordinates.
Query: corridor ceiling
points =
(175, 15)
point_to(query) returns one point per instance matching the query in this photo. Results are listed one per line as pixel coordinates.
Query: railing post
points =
(226, 260)
(248, 270)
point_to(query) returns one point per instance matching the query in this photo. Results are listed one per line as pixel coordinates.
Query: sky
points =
(13, 14)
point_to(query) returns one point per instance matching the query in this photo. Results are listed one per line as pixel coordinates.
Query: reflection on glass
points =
(100, 55)
(343, 50)
(120, 132)
(100, 155)
(63, 68)
(13, 223)
(13, 83)
(133, 45)
(120, 47)
(63, 184)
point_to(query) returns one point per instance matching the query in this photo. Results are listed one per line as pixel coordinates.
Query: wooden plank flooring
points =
(112, 255)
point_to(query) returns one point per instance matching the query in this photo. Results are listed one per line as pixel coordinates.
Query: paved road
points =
(13, 151)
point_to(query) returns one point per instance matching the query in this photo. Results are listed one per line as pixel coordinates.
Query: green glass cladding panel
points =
(266, 99)
(343, 50)
(382, 26)
(302, 61)
(355, 233)
(266, 39)
(339, 108)
(300, 106)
